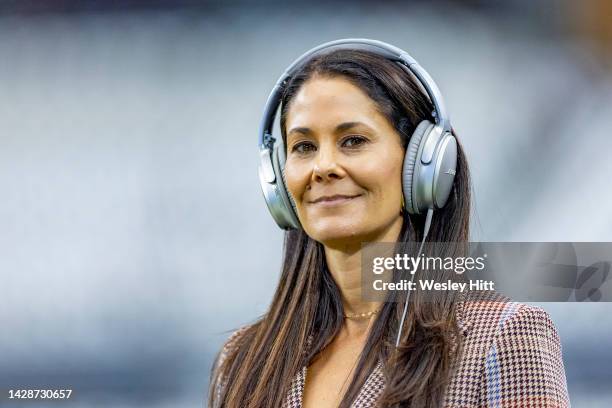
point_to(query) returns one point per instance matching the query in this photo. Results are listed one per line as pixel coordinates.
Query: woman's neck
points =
(344, 264)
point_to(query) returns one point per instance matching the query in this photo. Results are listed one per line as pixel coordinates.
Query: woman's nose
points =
(326, 164)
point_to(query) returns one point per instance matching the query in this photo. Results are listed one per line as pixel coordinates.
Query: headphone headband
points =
(378, 47)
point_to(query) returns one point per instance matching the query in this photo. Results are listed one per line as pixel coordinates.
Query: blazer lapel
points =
(296, 390)
(371, 389)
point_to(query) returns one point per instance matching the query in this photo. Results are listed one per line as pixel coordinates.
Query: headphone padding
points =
(278, 162)
(412, 151)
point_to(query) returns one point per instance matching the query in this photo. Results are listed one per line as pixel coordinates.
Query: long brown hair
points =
(258, 371)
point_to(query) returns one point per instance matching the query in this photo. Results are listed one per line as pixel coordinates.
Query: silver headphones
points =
(429, 163)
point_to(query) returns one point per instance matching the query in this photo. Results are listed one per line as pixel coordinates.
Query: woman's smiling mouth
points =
(334, 200)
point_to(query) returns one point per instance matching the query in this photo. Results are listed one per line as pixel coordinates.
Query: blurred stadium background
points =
(134, 235)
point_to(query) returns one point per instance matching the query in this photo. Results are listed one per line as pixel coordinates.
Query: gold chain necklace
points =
(361, 315)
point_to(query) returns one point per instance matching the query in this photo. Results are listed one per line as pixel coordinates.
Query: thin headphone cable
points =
(425, 232)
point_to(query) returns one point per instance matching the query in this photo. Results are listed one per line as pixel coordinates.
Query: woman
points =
(348, 116)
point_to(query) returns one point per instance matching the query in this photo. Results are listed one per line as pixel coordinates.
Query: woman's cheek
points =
(381, 183)
(296, 182)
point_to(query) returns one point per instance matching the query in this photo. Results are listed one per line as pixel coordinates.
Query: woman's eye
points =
(302, 147)
(353, 141)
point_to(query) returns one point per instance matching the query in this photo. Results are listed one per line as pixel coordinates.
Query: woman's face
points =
(344, 163)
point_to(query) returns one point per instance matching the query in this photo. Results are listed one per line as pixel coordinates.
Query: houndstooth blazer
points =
(511, 358)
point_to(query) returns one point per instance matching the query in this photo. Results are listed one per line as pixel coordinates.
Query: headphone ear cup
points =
(445, 170)
(278, 162)
(409, 177)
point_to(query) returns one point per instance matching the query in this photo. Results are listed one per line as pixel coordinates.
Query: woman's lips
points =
(334, 201)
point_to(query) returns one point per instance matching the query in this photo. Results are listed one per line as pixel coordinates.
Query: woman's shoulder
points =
(514, 348)
(231, 343)
(218, 378)
(490, 315)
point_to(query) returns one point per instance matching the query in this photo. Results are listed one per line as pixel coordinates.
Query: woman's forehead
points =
(324, 102)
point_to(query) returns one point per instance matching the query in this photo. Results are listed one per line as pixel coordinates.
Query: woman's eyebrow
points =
(350, 125)
(340, 128)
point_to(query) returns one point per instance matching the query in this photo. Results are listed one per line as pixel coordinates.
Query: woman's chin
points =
(335, 231)
(344, 230)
